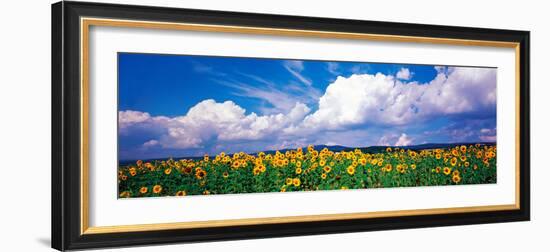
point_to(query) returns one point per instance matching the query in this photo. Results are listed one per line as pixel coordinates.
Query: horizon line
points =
(326, 145)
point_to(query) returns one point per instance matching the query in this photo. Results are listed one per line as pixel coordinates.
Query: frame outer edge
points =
(57, 126)
(525, 129)
(70, 121)
(65, 120)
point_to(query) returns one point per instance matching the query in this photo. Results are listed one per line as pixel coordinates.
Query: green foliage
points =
(311, 170)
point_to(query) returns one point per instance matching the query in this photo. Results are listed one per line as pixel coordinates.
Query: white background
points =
(25, 135)
(106, 210)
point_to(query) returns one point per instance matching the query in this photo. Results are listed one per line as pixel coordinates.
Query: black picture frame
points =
(66, 123)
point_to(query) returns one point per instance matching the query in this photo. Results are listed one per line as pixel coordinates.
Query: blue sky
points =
(179, 105)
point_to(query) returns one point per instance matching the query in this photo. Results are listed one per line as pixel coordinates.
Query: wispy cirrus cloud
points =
(333, 68)
(295, 67)
(205, 69)
(280, 97)
(277, 100)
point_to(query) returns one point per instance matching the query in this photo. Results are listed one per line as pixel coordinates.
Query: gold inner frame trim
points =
(86, 23)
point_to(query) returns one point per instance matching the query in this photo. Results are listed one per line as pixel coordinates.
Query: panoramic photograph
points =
(209, 125)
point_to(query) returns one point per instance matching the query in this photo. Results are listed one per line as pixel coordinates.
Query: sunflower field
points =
(308, 170)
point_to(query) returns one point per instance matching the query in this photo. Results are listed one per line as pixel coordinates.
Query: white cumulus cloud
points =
(404, 140)
(129, 117)
(384, 100)
(151, 143)
(404, 74)
(209, 121)
(488, 135)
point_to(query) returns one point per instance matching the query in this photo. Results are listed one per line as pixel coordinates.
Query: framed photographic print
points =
(179, 125)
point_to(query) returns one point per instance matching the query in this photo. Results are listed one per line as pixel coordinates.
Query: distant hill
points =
(378, 149)
(338, 148)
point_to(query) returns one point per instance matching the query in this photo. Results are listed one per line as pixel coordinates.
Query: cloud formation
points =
(349, 108)
(210, 122)
(295, 67)
(280, 98)
(332, 67)
(404, 74)
(384, 100)
(403, 140)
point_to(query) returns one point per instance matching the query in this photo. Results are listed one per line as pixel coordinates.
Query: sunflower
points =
(298, 164)
(388, 149)
(262, 168)
(363, 161)
(157, 189)
(125, 194)
(132, 171)
(298, 170)
(181, 193)
(400, 168)
(454, 152)
(256, 171)
(438, 156)
(453, 161)
(296, 182)
(344, 188)
(437, 169)
(206, 192)
(236, 164)
(187, 169)
(463, 148)
(324, 176)
(143, 190)
(466, 164)
(285, 161)
(225, 174)
(447, 170)
(167, 171)
(456, 173)
(456, 179)
(479, 154)
(351, 170)
(200, 173)
(388, 168)
(413, 166)
(288, 181)
(123, 177)
(322, 162)
(327, 169)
